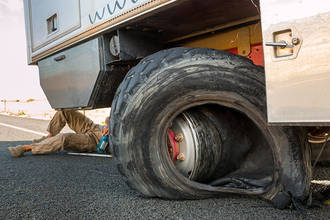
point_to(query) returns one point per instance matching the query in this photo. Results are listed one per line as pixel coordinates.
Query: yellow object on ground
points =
(327, 202)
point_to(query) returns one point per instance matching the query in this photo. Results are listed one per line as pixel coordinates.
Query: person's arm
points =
(105, 131)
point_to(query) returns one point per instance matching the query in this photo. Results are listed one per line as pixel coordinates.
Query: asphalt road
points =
(60, 186)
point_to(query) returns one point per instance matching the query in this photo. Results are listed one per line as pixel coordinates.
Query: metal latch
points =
(52, 24)
(283, 44)
(286, 43)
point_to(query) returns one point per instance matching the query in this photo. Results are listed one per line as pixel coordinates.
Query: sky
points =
(18, 80)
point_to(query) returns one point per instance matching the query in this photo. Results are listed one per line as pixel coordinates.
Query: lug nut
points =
(181, 157)
(179, 137)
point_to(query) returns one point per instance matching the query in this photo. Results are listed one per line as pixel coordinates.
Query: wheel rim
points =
(185, 137)
(194, 145)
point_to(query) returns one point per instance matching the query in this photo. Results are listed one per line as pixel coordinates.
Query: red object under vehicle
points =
(256, 54)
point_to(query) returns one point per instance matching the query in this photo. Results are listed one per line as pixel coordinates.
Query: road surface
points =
(60, 186)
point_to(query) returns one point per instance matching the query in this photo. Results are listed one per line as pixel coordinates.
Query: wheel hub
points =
(185, 158)
(194, 145)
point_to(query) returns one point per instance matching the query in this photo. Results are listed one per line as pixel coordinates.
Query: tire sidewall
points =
(163, 100)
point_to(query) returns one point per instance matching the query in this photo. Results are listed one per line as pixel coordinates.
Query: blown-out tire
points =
(169, 82)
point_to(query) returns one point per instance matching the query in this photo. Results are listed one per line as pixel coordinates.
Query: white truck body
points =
(77, 20)
(297, 82)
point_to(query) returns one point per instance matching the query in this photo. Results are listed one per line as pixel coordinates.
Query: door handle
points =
(59, 58)
(281, 44)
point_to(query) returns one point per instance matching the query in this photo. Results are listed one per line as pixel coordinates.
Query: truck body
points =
(88, 52)
(287, 75)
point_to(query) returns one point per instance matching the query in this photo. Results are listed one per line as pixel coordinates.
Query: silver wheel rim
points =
(188, 146)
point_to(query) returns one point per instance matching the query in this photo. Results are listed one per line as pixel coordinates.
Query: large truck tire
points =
(325, 154)
(215, 103)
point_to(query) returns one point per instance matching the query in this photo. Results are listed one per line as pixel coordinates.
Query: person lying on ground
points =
(85, 139)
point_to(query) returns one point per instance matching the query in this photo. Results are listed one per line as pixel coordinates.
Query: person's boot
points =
(19, 150)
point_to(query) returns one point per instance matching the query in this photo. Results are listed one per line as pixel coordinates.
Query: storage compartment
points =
(87, 76)
(68, 78)
(82, 77)
(51, 20)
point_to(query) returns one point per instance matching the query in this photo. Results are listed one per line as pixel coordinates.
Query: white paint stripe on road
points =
(23, 129)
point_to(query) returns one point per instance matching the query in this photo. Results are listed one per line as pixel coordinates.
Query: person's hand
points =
(105, 131)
